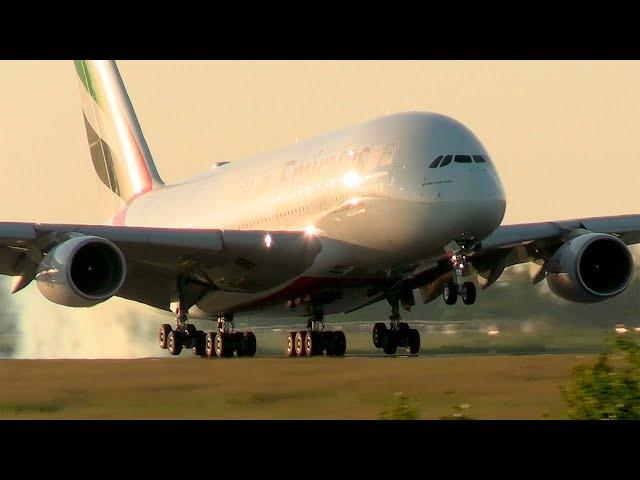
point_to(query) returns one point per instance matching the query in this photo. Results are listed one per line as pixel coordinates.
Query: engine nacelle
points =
(81, 272)
(590, 268)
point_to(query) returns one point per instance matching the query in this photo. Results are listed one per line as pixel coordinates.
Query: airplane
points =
(405, 202)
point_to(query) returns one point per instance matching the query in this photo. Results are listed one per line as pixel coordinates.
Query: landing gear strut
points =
(467, 290)
(315, 340)
(398, 334)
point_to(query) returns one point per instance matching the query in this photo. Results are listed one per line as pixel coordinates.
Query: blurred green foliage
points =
(610, 388)
(400, 408)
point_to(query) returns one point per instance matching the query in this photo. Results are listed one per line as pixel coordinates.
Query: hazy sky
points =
(565, 136)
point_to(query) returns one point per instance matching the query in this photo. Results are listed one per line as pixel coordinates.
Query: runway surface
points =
(354, 387)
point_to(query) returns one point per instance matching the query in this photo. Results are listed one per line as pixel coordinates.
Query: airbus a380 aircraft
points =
(373, 212)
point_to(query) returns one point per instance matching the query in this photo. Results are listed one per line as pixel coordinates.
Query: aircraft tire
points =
(329, 343)
(469, 293)
(163, 333)
(413, 341)
(249, 344)
(390, 343)
(290, 345)
(174, 343)
(199, 344)
(224, 345)
(313, 343)
(301, 348)
(210, 345)
(450, 293)
(378, 334)
(339, 344)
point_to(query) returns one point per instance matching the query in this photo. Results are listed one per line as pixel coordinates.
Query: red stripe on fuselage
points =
(315, 285)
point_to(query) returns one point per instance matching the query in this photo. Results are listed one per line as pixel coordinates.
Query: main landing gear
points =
(397, 335)
(315, 340)
(466, 290)
(223, 343)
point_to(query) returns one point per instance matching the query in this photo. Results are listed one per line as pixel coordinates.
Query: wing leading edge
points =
(521, 243)
(211, 259)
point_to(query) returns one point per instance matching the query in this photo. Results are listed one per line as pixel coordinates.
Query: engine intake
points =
(81, 272)
(590, 268)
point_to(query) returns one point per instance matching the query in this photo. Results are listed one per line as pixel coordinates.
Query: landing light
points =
(310, 230)
(268, 240)
(352, 179)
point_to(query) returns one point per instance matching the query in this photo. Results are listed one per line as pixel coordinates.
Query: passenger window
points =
(435, 163)
(478, 159)
(446, 160)
(462, 159)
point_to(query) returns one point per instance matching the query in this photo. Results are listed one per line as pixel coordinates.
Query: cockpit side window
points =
(435, 163)
(478, 159)
(462, 159)
(446, 160)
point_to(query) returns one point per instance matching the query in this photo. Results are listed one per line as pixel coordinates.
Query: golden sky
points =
(565, 135)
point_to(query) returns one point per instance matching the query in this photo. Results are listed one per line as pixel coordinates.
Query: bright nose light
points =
(352, 179)
(310, 230)
(268, 240)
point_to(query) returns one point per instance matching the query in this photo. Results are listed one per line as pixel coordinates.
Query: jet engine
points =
(590, 268)
(81, 272)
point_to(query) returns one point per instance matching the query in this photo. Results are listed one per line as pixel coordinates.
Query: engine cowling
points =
(81, 272)
(590, 268)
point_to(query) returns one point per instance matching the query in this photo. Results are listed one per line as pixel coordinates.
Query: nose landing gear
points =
(461, 269)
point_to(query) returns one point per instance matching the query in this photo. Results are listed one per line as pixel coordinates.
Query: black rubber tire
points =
(469, 293)
(210, 344)
(199, 345)
(301, 349)
(237, 343)
(174, 343)
(390, 343)
(224, 345)
(329, 343)
(403, 328)
(339, 344)
(450, 293)
(313, 343)
(378, 333)
(163, 333)
(249, 344)
(413, 341)
(290, 345)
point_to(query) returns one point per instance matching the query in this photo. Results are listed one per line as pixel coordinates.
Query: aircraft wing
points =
(232, 260)
(514, 244)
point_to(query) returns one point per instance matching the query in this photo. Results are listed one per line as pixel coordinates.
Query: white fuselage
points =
(367, 192)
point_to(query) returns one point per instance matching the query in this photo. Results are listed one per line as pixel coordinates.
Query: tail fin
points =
(119, 151)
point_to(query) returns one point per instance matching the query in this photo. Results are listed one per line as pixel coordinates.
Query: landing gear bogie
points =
(397, 334)
(310, 343)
